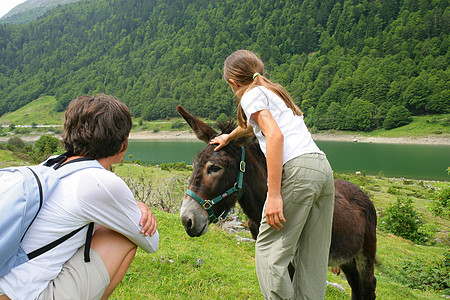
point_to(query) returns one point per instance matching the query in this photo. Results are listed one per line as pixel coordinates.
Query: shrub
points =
(446, 121)
(393, 191)
(15, 143)
(177, 124)
(440, 204)
(401, 219)
(179, 166)
(222, 118)
(396, 117)
(47, 145)
(360, 115)
(164, 194)
(422, 275)
(23, 130)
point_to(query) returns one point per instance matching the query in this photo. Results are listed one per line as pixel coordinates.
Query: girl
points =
(297, 217)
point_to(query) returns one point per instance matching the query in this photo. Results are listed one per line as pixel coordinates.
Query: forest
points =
(348, 64)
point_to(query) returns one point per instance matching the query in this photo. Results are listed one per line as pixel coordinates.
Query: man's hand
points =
(148, 220)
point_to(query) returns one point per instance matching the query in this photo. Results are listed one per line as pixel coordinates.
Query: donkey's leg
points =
(351, 273)
(366, 260)
(253, 227)
(366, 271)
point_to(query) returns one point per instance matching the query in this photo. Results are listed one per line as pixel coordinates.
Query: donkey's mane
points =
(227, 126)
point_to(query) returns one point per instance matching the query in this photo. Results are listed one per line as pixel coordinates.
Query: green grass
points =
(172, 272)
(7, 159)
(228, 268)
(41, 111)
(420, 126)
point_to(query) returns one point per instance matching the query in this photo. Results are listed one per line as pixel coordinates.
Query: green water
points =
(393, 160)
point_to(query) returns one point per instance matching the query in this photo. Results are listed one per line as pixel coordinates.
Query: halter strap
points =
(237, 188)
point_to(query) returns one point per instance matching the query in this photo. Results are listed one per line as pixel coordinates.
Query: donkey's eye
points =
(213, 169)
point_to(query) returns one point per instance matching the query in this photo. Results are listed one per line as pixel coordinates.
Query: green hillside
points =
(349, 64)
(41, 111)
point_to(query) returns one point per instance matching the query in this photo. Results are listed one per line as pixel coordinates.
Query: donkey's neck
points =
(255, 184)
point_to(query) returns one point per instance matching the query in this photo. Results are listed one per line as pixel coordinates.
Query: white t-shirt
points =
(297, 139)
(90, 195)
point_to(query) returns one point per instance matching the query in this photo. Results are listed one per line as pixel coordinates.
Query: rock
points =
(336, 285)
(199, 262)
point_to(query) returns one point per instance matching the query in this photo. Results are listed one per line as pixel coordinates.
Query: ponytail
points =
(246, 69)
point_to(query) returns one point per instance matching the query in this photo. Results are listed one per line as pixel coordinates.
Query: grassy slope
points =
(228, 268)
(40, 111)
(228, 271)
(420, 126)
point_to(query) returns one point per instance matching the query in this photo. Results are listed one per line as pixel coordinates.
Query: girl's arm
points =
(224, 139)
(274, 157)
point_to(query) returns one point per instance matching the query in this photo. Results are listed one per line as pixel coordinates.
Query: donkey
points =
(219, 176)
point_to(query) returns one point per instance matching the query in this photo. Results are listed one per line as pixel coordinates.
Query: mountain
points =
(30, 10)
(349, 64)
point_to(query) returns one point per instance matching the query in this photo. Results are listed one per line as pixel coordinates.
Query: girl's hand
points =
(274, 212)
(148, 220)
(222, 140)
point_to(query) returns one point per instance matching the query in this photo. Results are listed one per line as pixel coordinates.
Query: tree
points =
(15, 143)
(416, 95)
(396, 117)
(439, 102)
(150, 54)
(334, 116)
(360, 115)
(309, 117)
(47, 145)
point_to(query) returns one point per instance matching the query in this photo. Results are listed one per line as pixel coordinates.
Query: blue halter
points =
(237, 188)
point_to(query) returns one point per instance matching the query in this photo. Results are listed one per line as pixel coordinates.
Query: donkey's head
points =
(214, 184)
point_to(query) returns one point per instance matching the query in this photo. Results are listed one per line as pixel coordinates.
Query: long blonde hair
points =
(241, 66)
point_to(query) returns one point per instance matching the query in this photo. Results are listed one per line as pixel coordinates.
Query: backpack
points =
(23, 192)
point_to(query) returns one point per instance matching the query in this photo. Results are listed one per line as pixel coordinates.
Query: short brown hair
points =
(96, 126)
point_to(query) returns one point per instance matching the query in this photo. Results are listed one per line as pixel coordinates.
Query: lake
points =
(392, 160)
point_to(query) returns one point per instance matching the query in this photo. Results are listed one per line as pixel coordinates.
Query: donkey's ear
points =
(202, 130)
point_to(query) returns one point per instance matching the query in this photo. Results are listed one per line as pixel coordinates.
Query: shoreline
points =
(187, 135)
(190, 136)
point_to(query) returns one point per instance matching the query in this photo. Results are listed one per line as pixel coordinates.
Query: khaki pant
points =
(78, 279)
(308, 200)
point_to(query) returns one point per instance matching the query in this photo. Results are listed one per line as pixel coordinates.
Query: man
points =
(95, 128)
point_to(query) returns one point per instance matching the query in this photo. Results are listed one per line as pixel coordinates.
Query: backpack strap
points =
(58, 162)
(69, 167)
(52, 245)
(87, 245)
(61, 240)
